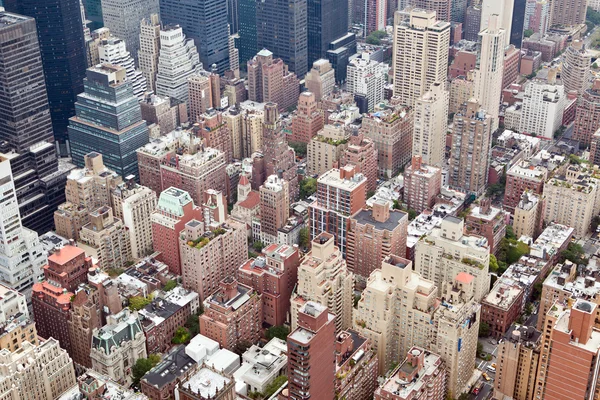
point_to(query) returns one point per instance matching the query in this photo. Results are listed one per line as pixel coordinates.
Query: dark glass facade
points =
(516, 30)
(62, 46)
(233, 16)
(93, 12)
(108, 121)
(325, 24)
(339, 54)
(247, 43)
(206, 22)
(281, 28)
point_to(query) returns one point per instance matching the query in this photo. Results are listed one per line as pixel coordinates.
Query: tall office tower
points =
(234, 57)
(569, 334)
(516, 27)
(178, 60)
(274, 207)
(568, 12)
(93, 13)
(247, 43)
(270, 81)
(422, 184)
(472, 23)
(325, 24)
(470, 155)
(26, 128)
(587, 115)
(134, 205)
(281, 27)
(543, 106)
(340, 194)
(469, 254)
(431, 125)
(63, 56)
(308, 120)
(537, 16)
(113, 51)
(233, 18)
(118, 130)
(366, 77)
(400, 309)
(21, 254)
(490, 68)
(123, 18)
(503, 9)
(420, 54)
(320, 80)
(280, 159)
(311, 356)
(391, 128)
(204, 21)
(458, 11)
(575, 74)
(149, 49)
(442, 8)
(373, 235)
(323, 277)
(374, 15)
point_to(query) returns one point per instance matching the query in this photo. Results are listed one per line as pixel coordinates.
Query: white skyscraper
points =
(366, 77)
(543, 107)
(504, 10)
(178, 61)
(123, 18)
(490, 68)
(431, 125)
(149, 49)
(420, 54)
(21, 254)
(113, 51)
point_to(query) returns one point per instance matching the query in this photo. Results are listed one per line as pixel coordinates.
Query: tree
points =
(304, 237)
(484, 329)
(299, 148)
(170, 285)
(273, 386)
(241, 347)
(479, 348)
(182, 336)
(595, 223)
(280, 332)
(574, 253)
(136, 303)
(142, 366)
(258, 246)
(412, 214)
(527, 33)
(510, 233)
(307, 187)
(493, 264)
(536, 293)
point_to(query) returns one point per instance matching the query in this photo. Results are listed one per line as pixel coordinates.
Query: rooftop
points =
(173, 365)
(333, 178)
(206, 382)
(365, 217)
(431, 363)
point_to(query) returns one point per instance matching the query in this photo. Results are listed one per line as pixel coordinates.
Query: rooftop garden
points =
(471, 262)
(330, 141)
(206, 238)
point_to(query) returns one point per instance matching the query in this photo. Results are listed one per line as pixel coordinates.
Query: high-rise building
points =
(447, 251)
(323, 277)
(204, 93)
(93, 13)
(116, 131)
(162, 114)
(488, 222)
(362, 154)
(311, 355)
(521, 177)
(281, 27)
(43, 371)
(326, 149)
(274, 207)
(178, 60)
(503, 9)
(60, 33)
(373, 235)
(113, 51)
(149, 49)
(422, 184)
(247, 30)
(420, 54)
(308, 120)
(568, 12)
(431, 125)
(528, 215)
(17, 325)
(575, 73)
(123, 18)
(204, 21)
(587, 115)
(324, 25)
(374, 15)
(367, 77)
(320, 80)
(544, 103)
(471, 144)
(490, 67)
(537, 16)
(340, 194)
(518, 18)
(472, 24)
(442, 8)
(85, 316)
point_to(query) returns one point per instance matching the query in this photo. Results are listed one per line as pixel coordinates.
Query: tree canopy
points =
(308, 186)
(142, 366)
(280, 332)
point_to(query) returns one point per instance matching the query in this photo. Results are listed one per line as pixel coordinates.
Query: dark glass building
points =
(62, 45)
(232, 16)
(281, 28)
(25, 126)
(325, 24)
(518, 19)
(339, 54)
(247, 44)
(108, 121)
(93, 12)
(206, 22)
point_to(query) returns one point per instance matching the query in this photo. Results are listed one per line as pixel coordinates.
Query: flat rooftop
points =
(365, 217)
(206, 383)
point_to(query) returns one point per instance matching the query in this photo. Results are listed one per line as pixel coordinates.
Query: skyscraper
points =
(281, 27)
(149, 49)
(123, 18)
(568, 12)
(60, 34)
(113, 51)
(490, 66)
(205, 21)
(431, 125)
(420, 54)
(504, 10)
(25, 126)
(93, 12)
(576, 72)
(247, 43)
(324, 25)
(518, 23)
(108, 121)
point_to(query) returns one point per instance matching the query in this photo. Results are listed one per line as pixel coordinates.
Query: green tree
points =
(142, 366)
(258, 246)
(412, 214)
(242, 346)
(136, 303)
(280, 332)
(484, 329)
(170, 285)
(299, 148)
(493, 264)
(574, 253)
(527, 33)
(510, 233)
(273, 386)
(479, 348)
(182, 336)
(308, 186)
(595, 223)
(304, 237)
(536, 293)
